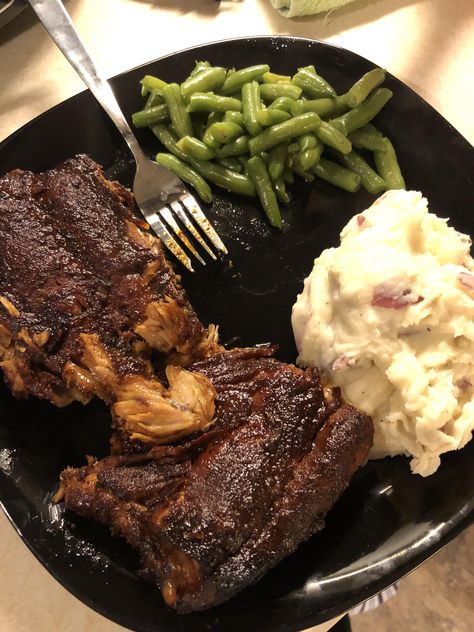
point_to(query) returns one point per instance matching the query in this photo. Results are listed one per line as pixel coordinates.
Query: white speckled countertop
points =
(428, 44)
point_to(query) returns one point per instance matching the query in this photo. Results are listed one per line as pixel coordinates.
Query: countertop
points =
(428, 44)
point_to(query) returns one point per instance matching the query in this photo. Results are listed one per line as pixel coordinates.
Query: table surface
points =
(428, 44)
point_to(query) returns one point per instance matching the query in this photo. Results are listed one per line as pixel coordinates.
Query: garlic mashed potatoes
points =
(389, 317)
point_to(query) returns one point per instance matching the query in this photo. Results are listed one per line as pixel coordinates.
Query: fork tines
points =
(174, 236)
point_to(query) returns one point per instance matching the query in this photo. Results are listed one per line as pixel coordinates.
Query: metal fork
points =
(160, 195)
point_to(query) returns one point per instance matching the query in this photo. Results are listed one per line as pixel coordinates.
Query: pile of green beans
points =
(250, 131)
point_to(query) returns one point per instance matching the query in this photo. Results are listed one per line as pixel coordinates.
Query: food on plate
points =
(251, 130)
(389, 316)
(86, 294)
(257, 450)
(210, 516)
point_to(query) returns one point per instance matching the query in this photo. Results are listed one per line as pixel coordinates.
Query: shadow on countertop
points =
(26, 20)
(184, 7)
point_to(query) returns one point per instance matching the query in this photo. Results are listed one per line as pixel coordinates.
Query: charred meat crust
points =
(86, 294)
(212, 515)
(318, 481)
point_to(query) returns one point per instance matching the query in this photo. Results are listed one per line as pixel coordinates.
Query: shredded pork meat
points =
(86, 295)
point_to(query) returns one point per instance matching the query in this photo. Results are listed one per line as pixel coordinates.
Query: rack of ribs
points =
(210, 516)
(86, 294)
(257, 451)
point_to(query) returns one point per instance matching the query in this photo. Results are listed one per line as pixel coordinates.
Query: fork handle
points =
(57, 22)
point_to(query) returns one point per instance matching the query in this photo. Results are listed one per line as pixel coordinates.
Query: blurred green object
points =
(296, 8)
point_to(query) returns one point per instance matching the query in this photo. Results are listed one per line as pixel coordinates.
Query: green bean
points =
(168, 140)
(236, 147)
(325, 108)
(311, 157)
(281, 192)
(195, 148)
(184, 171)
(258, 173)
(225, 178)
(152, 84)
(207, 80)
(234, 117)
(237, 79)
(200, 102)
(370, 180)
(282, 103)
(362, 88)
(251, 106)
(151, 116)
(209, 140)
(143, 91)
(292, 159)
(337, 175)
(276, 161)
(172, 129)
(312, 84)
(288, 176)
(154, 98)
(272, 117)
(276, 134)
(250, 148)
(199, 67)
(224, 132)
(271, 77)
(230, 163)
(177, 110)
(387, 166)
(330, 135)
(367, 137)
(271, 91)
(307, 141)
(363, 113)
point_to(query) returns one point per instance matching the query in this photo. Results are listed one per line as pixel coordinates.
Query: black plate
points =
(388, 521)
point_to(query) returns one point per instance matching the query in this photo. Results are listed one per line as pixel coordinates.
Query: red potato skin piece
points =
(466, 279)
(393, 298)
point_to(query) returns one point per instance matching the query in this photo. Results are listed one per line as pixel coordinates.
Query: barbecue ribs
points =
(85, 294)
(211, 516)
(89, 306)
